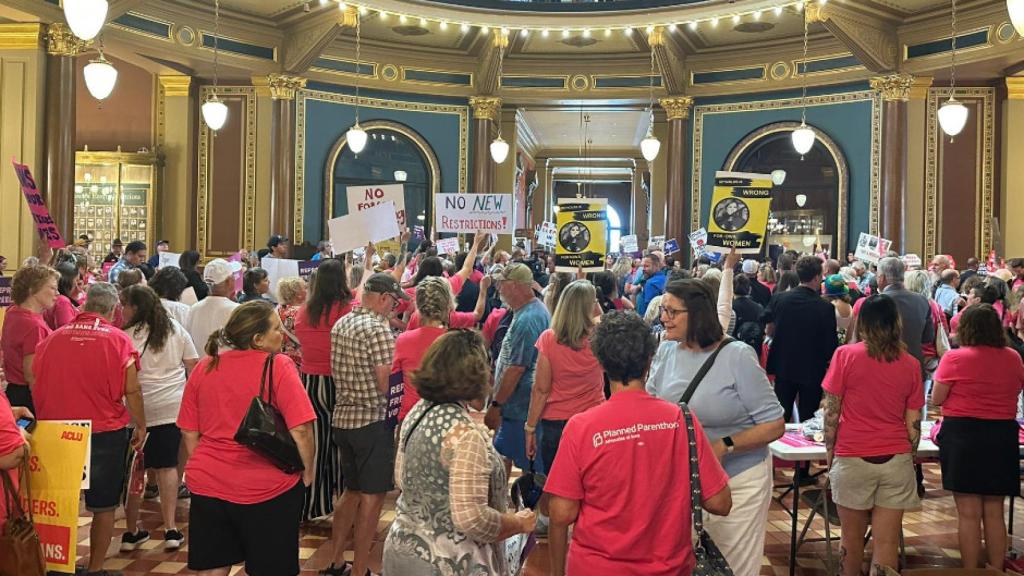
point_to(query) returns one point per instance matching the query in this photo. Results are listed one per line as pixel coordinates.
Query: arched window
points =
(614, 229)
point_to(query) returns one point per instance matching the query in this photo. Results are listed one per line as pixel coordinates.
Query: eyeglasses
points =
(670, 313)
(394, 300)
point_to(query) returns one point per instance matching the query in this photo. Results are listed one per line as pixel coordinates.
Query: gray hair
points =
(858, 265)
(891, 269)
(101, 298)
(918, 281)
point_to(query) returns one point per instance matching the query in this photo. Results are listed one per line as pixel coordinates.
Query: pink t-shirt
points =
(983, 381)
(10, 440)
(627, 462)
(316, 340)
(410, 347)
(954, 322)
(456, 320)
(876, 396)
(577, 380)
(215, 403)
(22, 333)
(490, 327)
(63, 311)
(91, 387)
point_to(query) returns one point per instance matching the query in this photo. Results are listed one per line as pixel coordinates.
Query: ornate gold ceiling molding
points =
(278, 86)
(175, 85)
(485, 107)
(60, 41)
(893, 87)
(21, 36)
(677, 107)
(872, 39)
(1015, 88)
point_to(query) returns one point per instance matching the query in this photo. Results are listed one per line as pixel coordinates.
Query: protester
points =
(13, 447)
(101, 385)
(978, 443)
(748, 311)
(919, 281)
(166, 356)
(212, 313)
(116, 250)
(980, 294)
(434, 303)
(759, 293)
(161, 247)
(65, 306)
(630, 498)
(837, 293)
(188, 261)
(244, 508)
(33, 292)
(277, 247)
(915, 311)
(653, 283)
(787, 281)
(362, 354)
(872, 406)
(452, 511)
(255, 286)
(169, 282)
(766, 275)
(865, 278)
(134, 256)
(324, 250)
(947, 294)
(734, 401)
(292, 291)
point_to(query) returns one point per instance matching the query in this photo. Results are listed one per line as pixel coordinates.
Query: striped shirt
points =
(360, 342)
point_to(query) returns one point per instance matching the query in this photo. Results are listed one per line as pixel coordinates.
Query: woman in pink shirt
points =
(434, 305)
(873, 395)
(33, 290)
(977, 386)
(65, 307)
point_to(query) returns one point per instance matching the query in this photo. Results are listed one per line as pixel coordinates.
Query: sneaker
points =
(332, 570)
(151, 492)
(130, 541)
(173, 539)
(183, 493)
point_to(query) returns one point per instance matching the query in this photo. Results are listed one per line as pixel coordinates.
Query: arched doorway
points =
(394, 154)
(811, 204)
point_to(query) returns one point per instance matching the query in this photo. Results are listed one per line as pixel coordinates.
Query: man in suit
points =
(803, 326)
(758, 292)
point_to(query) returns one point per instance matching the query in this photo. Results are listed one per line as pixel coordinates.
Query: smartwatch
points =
(730, 446)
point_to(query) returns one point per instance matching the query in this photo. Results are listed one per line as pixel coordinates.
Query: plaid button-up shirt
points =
(360, 341)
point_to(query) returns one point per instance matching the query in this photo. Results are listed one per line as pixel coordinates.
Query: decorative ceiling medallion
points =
(186, 36)
(410, 30)
(779, 71)
(579, 82)
(389, 72)
(1005, 32)
(580, 41)
(754, 27)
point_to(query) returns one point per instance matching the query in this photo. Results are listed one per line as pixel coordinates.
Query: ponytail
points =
(213, 349)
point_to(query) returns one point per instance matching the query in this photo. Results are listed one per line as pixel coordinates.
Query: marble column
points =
(282, 168)
(62, 47)
(917, 133)
(176, 122)
(485, 110)
(677, 112)
(1011, 208)
(895, 92)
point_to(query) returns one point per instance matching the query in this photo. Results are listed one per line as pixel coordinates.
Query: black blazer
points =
(805, 335)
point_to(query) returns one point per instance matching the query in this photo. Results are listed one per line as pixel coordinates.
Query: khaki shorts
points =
(861, 485)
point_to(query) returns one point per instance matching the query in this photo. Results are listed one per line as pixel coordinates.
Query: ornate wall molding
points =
(60, 41)
(485, 107)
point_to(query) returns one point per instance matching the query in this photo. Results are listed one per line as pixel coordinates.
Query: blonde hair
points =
(573, 317)
(434, 300)
(290, 288)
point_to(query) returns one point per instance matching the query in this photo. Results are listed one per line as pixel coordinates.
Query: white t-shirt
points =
(210, 314)
(177, 310)
(162, 374)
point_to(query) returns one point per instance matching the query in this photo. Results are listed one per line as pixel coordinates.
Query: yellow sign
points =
(739, 212)
(55, 471)
(581, 239)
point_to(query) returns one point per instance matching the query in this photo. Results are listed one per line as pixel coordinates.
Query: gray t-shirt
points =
(734, 395)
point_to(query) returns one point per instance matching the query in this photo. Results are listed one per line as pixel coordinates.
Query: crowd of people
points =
(439, 376)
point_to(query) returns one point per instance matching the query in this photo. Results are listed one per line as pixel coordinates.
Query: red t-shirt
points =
(409, 350)
(10, 440)
(80, 373)
(215, 403)
(456, 320)
(627, 462)
(316, 340)
(23, 331)
(490, 326)
(577, 380)
(983, 381)
(876, 396)
(63, 311)
(954, 322)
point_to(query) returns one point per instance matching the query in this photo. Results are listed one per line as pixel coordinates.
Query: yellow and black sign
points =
(581, 240)
(739, 212)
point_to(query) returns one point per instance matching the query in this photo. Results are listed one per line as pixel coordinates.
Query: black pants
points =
(808, 397)
(20, 395)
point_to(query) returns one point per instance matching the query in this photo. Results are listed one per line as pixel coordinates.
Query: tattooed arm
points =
(914, 430)
(832, 406)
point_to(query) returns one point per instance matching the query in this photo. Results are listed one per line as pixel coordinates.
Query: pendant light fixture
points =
(650, 145)
(499, 148)
(803, 137)
(952, 114)
(85, 17)
(1016, 10)
(215, 112)
(100, 76)
(356, 136)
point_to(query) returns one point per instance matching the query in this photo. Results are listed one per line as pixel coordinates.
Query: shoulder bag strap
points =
(408, 435)
(704, 369)
(12, 501)
(696, 496)
(267, 380)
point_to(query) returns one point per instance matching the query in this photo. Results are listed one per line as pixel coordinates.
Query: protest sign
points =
(373, 224)
(447, 246)
(582, 239)
(629, 244)
(656, 242)
(912, 261)
(418, 233)
(45, 225)
(396, 391)
(58, 454)
(740, 203)
(237, 257)
(168, 259)
(671, 246)
(545, 234)
(468, 213)
(5, 291)
(871, 248)
(364, 197)
(698, 239)
(522, 242)
(306, 268)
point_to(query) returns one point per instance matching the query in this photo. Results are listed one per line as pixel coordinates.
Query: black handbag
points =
(710, 561)
(264, 430)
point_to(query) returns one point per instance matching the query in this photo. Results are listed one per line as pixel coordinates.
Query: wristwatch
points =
(730, 446)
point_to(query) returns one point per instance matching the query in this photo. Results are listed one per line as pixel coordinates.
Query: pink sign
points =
(45, 225)
(237, 257)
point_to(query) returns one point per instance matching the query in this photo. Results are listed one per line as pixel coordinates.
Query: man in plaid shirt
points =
(362, 349)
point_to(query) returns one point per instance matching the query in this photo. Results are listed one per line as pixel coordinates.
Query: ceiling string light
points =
(100, 76)
(499, 148)
(356, 136)
(1016, 10)
(650, 145)
(803, 137)
(215, 112)
(952, 114)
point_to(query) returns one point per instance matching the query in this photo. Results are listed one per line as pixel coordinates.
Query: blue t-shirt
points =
(653, 287)
(519, 349)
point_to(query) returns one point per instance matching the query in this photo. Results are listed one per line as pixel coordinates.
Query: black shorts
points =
(161, 449)
(108, 470)
(265, 535)
(367, 457)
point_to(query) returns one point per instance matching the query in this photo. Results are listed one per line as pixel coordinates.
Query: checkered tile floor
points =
(930, 539)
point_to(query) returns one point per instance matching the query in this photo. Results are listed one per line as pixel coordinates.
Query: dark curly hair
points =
(980, 326)
(455, 368)
(169, 282)
(149, 314)
(624, 346)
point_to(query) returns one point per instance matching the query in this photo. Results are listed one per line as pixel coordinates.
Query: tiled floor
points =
(930, 540)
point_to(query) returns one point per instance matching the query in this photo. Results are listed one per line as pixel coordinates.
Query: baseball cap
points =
(275, 240)
(517, 272)
(750, 266)
(218, 270)
(384, 283)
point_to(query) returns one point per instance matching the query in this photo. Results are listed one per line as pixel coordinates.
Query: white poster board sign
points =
(355, 230)
(629, 244)
(365, 197)
(546, 234)
(448, 246)
(656, 243)
(168, 259)
(278, 268)
(469, 213)
(871, 248)
(698, 239)
(912, 261)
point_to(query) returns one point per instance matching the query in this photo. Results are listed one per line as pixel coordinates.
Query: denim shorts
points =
(550, 437)
(108, 468)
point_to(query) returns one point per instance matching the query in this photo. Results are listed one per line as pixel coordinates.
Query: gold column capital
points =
(284, 86)
(485, 107)
(175, 84)
(815, 12)
(60, 41)
(349, 16)
(893, 87)
(656, 37)
(21, 36)
(500, 39)
(676, 107)
(1015, 87)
